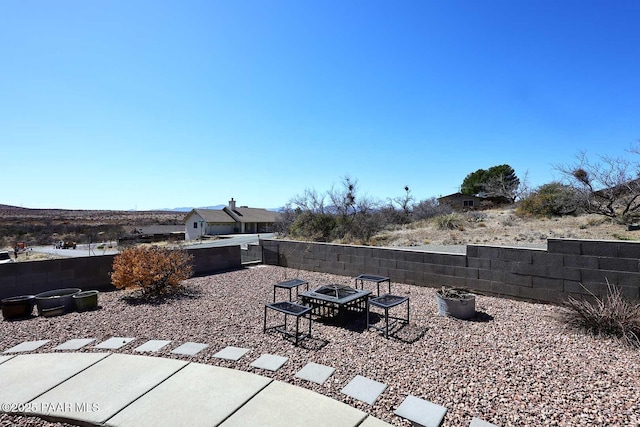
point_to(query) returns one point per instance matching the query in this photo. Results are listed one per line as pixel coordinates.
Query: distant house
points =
(463, 202)
(228, 220)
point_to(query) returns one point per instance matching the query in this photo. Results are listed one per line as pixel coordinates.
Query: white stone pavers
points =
(364, 389)
(281, 404)
(27, 346)
(477, 422)
(114, 343)
(315, 372)
(105, 388)
(269, 362)
(189, 348)
(26, 376)
(197, 395)
(5, 358)
(152, 346)
(231, 353)
(421, 411)
(74, 344)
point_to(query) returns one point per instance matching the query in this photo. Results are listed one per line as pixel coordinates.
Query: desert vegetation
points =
(150, 271)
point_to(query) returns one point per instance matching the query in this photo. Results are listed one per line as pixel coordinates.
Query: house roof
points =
(214, 216)
(242, 215)
(252, 215)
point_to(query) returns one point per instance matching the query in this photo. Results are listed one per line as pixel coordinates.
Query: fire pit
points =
(336, 301)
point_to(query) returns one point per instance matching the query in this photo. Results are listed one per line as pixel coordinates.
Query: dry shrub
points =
(452, 221)
(612, 315)
(152, 271)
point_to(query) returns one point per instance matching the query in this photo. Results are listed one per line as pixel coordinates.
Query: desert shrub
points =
(452, 221)
(553, 199)
(319, 227)
(611, 315)
(152, 271)
(430, 208)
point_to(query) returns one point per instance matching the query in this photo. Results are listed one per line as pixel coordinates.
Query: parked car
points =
(5, 258)
(65, 244)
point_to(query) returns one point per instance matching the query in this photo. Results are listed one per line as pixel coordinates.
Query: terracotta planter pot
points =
(18, 307)
(56, 298)
(87, 300)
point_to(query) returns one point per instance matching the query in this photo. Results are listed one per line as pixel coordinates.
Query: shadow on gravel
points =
(137, 298)
(481, 317)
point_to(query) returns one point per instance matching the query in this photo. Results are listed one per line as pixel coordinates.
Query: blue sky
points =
(157, 104)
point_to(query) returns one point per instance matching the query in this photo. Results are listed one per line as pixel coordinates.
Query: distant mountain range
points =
(216, 207)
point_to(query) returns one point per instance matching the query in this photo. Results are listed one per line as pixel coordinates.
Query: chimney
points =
(232, 204)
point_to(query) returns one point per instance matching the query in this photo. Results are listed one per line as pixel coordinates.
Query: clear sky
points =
(161, 104)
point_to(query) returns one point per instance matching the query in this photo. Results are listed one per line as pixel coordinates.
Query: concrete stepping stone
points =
(197, 395)
(27, 346)
(281, 404)
(421, 412)
(364, 389)
(189, 348)
(477, 422)
(315, 373)
(231, 353)
(152, 346)
(114, 343)
(74, 344)
(269, 362)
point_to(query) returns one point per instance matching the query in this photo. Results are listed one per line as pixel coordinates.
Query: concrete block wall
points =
(88, 273)
(566, 268)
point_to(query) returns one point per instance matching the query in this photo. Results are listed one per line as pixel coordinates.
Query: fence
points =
(88, 273)
(531, 274)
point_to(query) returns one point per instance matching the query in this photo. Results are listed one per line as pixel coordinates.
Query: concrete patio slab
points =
(190, 348)
(27, 376)
(100, 391)
(374, 422)
(281, 404)
(364, 389)
(421, 412)
(74, 344)
(477, 422)
(114, 343)
(27, 346)
(231, 353)
(152, 346)
(5, 358)
(197, 395)
(315, 372)
(269, 362)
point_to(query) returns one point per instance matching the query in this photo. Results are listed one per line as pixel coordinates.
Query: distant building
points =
(463, 202)
(229, 220)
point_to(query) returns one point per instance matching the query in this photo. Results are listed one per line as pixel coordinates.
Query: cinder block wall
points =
(87, 273)
(538, 275)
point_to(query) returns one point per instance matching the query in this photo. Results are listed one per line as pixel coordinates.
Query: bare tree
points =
(609, 187)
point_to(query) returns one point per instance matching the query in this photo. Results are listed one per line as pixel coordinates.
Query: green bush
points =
(553, 199)
(612, 315)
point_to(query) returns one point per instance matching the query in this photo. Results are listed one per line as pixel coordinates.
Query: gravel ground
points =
(514, 365)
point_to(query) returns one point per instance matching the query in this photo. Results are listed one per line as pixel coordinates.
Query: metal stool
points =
(289, 309)
(386, 302)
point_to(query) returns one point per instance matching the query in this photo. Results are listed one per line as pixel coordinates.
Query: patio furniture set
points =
(333, 302)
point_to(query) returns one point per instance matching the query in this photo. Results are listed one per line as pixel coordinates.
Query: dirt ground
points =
(504, 227)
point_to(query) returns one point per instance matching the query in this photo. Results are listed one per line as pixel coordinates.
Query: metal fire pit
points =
(336, 301)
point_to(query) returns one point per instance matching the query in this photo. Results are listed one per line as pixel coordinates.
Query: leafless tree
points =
(609, 186)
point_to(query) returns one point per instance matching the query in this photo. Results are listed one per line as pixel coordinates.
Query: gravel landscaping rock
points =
(515, 364)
